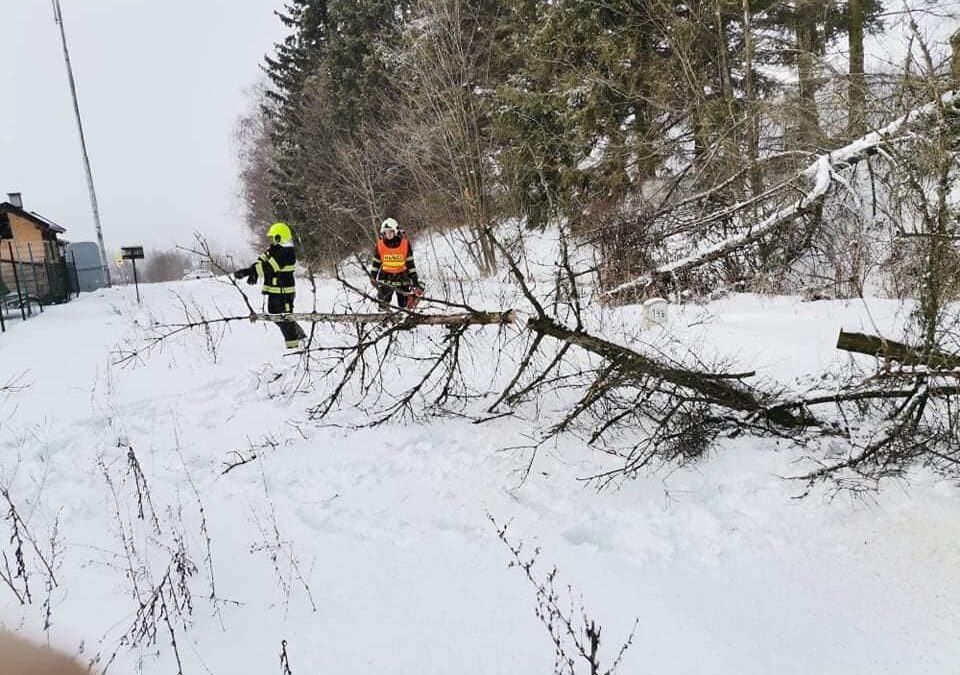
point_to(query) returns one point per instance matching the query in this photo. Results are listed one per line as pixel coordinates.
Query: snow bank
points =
(370, 551)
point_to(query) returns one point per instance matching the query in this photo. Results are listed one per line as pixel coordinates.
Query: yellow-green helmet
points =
(280, 233)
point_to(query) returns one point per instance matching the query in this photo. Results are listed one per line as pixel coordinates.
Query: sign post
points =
(134, 253)
(655, 313)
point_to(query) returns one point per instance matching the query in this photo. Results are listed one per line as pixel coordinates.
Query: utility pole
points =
(58, 17)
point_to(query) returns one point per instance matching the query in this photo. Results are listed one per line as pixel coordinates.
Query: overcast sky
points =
(161, 84)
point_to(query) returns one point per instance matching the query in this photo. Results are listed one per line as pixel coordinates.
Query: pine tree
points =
(300, 53)
(329, 82)
(295, 61)
(586, 76)
(856, 87)
(361, 85)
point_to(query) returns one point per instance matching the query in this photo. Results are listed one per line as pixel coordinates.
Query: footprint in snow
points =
(581, 535)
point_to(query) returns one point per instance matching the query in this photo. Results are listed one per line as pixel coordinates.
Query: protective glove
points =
(252, 278)
(240, 274)
(373, 281)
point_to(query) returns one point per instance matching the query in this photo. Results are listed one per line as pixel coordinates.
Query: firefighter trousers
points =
(282, 303)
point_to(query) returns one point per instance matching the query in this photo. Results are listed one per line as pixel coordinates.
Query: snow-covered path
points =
(371, 551)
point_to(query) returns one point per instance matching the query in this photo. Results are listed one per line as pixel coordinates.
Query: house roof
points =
(35, 218)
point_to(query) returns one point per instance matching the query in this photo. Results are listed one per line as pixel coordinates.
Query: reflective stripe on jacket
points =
(276, 266)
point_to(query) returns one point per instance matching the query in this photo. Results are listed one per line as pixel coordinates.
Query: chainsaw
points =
(413, 299)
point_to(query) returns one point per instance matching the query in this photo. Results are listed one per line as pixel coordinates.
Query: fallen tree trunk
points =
(892, 350)
(865, 395)
(411, 319)
(820, 173)
(716, 389)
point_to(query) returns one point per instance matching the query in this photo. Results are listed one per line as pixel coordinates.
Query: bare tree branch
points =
(820, 172)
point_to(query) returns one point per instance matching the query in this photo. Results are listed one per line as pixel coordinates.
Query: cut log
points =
(466, 319)
(891, 350)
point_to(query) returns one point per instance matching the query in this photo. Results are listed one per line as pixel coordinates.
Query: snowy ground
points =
(371, 552)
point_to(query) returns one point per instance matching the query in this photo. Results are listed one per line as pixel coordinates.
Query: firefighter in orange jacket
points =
(393, 271)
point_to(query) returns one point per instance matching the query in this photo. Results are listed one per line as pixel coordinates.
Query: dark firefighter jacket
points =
(276, 266)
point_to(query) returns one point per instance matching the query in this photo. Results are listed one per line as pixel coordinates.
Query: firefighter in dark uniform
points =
(276, 266)
(393, 271)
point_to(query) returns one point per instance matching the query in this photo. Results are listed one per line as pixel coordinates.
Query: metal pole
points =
(136, 283)
(16, 280)
(58, 17)
(33, 272)
(76, 271)
(3, 300)
(23, 276)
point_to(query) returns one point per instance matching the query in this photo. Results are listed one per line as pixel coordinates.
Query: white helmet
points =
(389, 224)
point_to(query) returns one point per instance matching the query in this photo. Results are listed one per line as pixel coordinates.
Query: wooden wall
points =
(28, 240)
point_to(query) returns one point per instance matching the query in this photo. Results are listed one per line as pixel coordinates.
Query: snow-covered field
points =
(371, 551)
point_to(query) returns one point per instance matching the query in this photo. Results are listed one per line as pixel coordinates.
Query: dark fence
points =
(33, 275)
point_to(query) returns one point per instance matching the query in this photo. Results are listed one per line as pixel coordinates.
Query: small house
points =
(32, 256)
(27, 236)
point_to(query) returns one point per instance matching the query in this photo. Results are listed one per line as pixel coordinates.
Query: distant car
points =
(199, 274)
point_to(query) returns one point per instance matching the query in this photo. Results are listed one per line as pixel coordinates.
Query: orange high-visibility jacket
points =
(393, 259)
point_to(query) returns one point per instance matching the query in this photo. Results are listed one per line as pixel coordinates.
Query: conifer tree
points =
(587, 74)
(297, 59)
(329, 84)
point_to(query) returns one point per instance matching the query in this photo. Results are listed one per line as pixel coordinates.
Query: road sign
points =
(133, 253)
